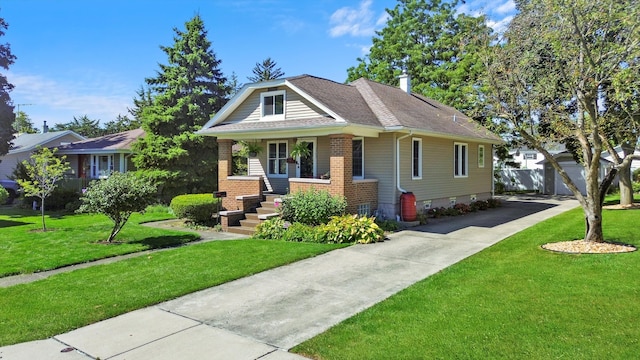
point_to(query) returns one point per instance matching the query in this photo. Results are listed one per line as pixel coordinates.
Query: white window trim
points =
(363, 154)
(284, 105)
(413, 170)
(466, 160)
(95, 166)
(271, 175)
(481, 158)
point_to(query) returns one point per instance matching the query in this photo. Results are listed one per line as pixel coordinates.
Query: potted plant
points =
(300, 150)
(252, 148)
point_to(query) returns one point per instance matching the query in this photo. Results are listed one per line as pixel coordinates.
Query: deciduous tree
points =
(117, 197)
(438, 48)
(7, 117)
(44, 170)
(23, 124)
(185, 94)
(548, 81)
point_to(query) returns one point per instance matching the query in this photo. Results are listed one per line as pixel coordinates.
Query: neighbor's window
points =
(480, 156)
(277, 156)
(530, 156)
(460, 160)
(358, 158)
(416, 159)
(101, 166)
(272, 104)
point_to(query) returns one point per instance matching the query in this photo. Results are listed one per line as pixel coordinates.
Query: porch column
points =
(225, 168)
(341, 164)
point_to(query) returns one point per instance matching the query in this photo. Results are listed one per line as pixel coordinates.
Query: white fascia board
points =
(300, 132)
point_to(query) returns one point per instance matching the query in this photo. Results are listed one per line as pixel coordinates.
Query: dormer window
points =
(272, 104)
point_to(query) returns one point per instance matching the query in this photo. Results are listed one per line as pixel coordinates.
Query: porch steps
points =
(266, 210)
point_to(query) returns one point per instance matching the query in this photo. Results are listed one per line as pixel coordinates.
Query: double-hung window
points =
(358, 158)
(416, 159)
(277, 156)
(272, 105)
(460, 162)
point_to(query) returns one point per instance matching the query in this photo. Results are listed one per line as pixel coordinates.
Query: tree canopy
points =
(437, 47)
(7, 116)
(562, 73)
(23, 124)
(266, 70)
(185, 93)
(83, 125)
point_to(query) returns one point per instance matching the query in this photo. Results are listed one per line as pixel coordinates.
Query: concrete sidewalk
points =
(264, 315)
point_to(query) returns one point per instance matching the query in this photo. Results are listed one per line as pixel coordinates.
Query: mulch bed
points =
(588, 247)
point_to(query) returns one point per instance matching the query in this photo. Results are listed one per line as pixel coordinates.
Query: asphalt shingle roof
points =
(119, 141)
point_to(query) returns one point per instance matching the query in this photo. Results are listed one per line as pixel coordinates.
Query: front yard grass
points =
(74, 238)
(511, 301)
(71, 300)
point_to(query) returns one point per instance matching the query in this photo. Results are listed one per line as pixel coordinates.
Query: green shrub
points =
(636, 175)
(298, 232)
(312, 207)
(351, 228)
(493, 203)
(388, 225)
(271, 229)
(198, 208)
(58, 200)
(636, 187)
(117, 197)
(479, 205)
(4, 195)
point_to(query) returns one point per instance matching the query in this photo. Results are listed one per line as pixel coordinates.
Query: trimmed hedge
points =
(198, 208)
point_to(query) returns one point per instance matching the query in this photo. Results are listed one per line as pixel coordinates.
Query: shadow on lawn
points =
(10, 223)
(167, 241)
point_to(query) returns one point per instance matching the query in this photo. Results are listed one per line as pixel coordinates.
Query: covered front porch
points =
(334, 163)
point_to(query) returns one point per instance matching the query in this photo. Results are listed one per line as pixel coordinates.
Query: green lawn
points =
(511, 301)
(74, 239)
(70, 300)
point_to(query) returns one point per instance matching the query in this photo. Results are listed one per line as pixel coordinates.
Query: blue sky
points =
(88, 57)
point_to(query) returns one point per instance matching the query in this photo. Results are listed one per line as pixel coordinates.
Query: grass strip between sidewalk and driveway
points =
(71, 300)
(513, 300)
(75, 238)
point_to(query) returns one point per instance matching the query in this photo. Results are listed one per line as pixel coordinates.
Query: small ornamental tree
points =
(117, 197)
(44, 169)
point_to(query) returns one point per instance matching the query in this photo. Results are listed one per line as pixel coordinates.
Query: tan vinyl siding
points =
(438, 180)
(296, 107)
(379, 155)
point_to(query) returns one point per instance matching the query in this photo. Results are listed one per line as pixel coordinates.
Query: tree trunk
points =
(44, 227)
(625, 184)
(594, 229)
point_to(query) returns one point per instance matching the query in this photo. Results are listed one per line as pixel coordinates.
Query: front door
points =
(306, 167)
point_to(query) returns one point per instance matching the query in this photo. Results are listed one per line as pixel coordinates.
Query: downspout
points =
(398, 161)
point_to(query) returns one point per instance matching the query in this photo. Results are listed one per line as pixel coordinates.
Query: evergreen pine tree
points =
(185, 94)
(266, 71)
(7, 116)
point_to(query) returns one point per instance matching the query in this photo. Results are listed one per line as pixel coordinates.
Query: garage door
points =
(576, 173)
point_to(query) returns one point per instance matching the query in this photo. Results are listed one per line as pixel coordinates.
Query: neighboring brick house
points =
(374, 141)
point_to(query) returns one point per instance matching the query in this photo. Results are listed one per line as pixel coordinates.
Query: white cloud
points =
(59, 102)
(506, 8)
(500, 25)
(352, 21)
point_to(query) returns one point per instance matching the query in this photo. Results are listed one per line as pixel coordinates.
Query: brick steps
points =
(266, 210)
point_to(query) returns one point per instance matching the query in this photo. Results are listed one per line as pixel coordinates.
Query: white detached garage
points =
(553, 184)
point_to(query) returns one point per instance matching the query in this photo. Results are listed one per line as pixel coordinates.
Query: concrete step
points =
(249, 223)
(265, 210)
(251, 216)
(241, 230)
